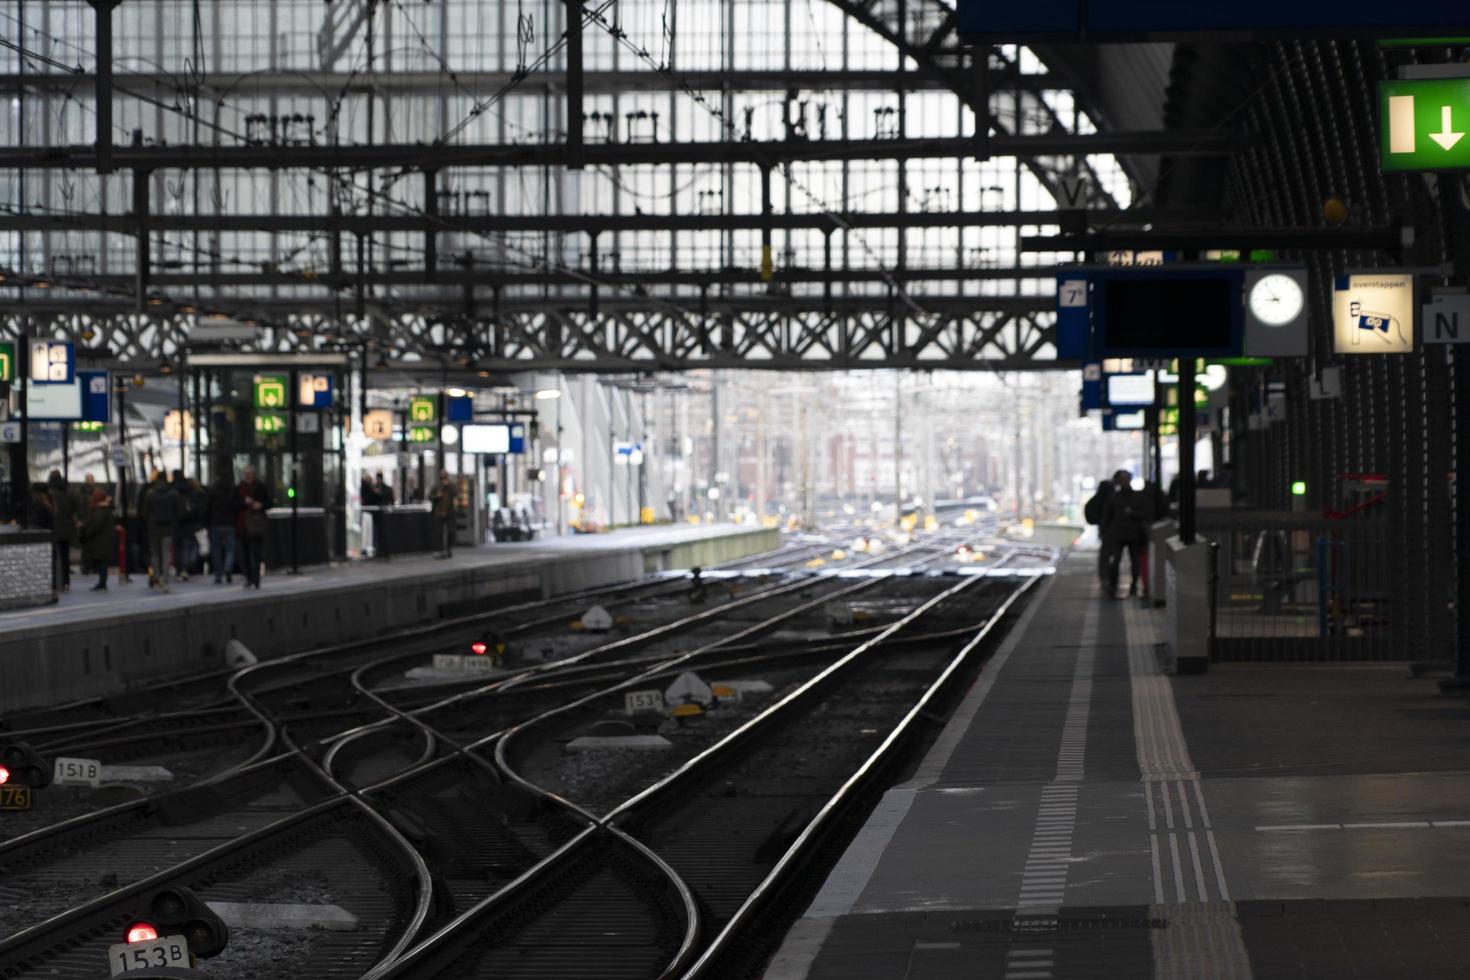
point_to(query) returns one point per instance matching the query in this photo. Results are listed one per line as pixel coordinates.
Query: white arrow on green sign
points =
(1423, 124)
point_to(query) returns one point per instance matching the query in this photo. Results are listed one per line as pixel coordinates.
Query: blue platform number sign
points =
(459, 408)
(96, 396)
(53, 362)
(1074, 324)
(315, 391)
(518, 438)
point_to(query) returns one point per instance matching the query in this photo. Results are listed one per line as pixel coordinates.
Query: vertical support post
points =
(574, 107)
(1186, 450)
(431, 237)
(293, 489)
(1462, 512)
(23, 375)
(980, 69)
(123, 472)
(144, 259)
(768, 266)
(183, 417)
(102, 13)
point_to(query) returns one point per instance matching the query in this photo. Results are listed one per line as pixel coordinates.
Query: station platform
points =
(1085, 815)
(92, 643)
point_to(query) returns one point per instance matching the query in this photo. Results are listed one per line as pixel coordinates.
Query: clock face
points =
(1276, 299)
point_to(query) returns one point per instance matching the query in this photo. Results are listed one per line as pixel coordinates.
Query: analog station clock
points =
(1276, 299)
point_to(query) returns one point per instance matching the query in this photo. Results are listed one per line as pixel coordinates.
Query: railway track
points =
(421, 815)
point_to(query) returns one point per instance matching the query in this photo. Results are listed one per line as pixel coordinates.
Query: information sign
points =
(460, 408)
(1422, 124)
(9, 432)
(378, 424)
(270, 391)
(178, 427)
(518, 438)
(53, 362)
(421, 433)
(270, 423)
(96, 393)
(69, 771)
(423, 408)
(1447, 320)
(314, 391)
(1373, 313)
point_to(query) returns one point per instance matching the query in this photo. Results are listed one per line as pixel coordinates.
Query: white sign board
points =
(1329, 385)
(485, 438)
(637, 701)
(1373, 313)
(1130, 389)
(1073, 193)
(76, 772)
(54, 402)
(9, 432)
(1447, 320)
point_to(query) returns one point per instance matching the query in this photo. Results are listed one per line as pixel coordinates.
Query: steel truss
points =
(617, 339)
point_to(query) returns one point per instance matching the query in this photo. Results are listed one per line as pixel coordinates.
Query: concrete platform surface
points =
(1083, 815)
(92, 643)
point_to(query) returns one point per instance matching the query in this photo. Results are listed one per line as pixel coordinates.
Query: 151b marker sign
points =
(1423, 124)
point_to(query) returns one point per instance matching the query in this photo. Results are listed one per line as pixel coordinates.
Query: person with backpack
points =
(163, 521)
(1093, 512)
(1123, 528)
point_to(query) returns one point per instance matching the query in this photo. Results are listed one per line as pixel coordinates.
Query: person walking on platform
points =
(255, 500)
(186, 532)
(65, 521)
(223, 506)
(442, 507)
(163, 521)
(99, 537)
(367, 494)
(1123, 529)
(1093, 512)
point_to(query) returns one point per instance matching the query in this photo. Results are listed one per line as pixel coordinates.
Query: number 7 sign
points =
(1071, 293)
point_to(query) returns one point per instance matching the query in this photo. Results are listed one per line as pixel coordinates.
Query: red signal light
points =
(4, 775)
(479, 648)
(142, 932)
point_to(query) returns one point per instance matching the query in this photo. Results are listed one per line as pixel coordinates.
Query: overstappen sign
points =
(1373, 313)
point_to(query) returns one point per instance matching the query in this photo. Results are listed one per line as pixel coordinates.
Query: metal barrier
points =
(1293, 586)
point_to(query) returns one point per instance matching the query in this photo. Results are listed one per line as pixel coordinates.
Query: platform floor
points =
(1083, 815)
(80, 604)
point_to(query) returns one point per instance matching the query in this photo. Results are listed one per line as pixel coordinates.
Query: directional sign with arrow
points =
(1423, 123)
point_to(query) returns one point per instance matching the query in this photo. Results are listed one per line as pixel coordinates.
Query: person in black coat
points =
(1123, 528)
(223, 506)
(255, 500)
(99, 537)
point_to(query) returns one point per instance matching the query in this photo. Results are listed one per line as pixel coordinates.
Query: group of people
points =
(83, 519)
(1122, 516)
(171, 512)
(376, 492)
(233, 516)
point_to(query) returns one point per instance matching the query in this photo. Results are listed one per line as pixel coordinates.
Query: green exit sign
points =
(269, 423)
(423, 408)
(7, 361)
(421, 433)
(270, 391)
(1423, 124)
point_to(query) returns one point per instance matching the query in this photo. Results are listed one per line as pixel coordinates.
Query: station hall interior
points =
(792, 489)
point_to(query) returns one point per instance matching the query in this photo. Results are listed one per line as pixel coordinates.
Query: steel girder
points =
(629, 339)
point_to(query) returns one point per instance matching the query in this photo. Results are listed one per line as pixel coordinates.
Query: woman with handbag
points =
(255, 500)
